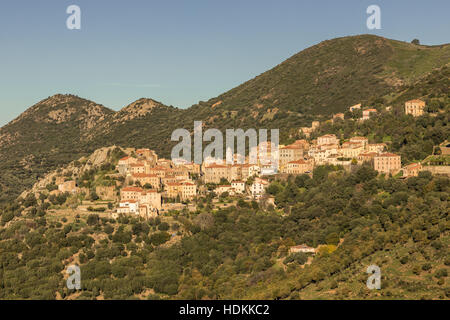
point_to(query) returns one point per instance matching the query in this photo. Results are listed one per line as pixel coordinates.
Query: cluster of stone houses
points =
(214, 173)
(366, 114)
(135, 200)
(415, 107)
(256, 189)
(148, 179)
(302, 157)
(328, 150)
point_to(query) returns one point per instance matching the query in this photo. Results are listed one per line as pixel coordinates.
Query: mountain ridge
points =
(311, 85)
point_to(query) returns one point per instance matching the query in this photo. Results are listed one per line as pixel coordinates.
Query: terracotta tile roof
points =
(144, 175)
(412, 166)
(358, 138)
(296, 147)
(415, 101)
(388, 154)
(149, 191)
(215, 165)
(328, 136)
(139, 164)
(369, 154)
(298, 162)
(130, 201)
(129, 189)
(173, 184)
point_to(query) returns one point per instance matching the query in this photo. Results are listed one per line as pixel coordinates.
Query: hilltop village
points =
(145, 185)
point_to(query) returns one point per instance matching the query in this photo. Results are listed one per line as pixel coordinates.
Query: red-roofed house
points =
(258, 188)
(130, 193)
(185, 190)
(124, 164)
(297, 167)
(367, 157)
(151, 197)
(290, 153)
(412, 170)
(376, 147)
(144, 178)
(327, 139)
(414, 107)
(367, 113)
(362, 140)
(387, 163)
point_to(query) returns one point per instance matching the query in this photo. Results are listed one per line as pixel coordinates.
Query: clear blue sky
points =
(178, 52)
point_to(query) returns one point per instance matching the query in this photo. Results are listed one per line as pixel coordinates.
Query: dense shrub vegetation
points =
(354, 219)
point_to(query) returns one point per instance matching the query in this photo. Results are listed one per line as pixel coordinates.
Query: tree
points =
(92, 219)
(159, 238)
(30, 200)
(164, 226)
(204, 220)
(94, 196)
(415, 41)
(332, 238)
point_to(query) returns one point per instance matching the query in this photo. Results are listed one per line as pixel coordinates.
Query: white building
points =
(225, 188)
(128, 206)
(238, 186)
(258, 188)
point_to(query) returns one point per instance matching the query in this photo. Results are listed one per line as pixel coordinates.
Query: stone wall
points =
(437, 169)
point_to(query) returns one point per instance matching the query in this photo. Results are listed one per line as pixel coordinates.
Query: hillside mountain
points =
(352, 219)
(143, 123)
(42, 138)
(328, 77)
(311, 85)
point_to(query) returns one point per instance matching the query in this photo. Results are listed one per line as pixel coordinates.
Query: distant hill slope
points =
(42, 138)
(313, 84)
(334, 74)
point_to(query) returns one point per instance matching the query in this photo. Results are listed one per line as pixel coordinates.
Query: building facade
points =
(387, 163)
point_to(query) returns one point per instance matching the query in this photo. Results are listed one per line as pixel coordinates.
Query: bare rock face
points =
(137, 109)
(96, 159)
(61, 108)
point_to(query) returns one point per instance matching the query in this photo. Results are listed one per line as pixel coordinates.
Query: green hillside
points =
(335, 74)
(311, 85)
(242, 252)
(44, 137)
